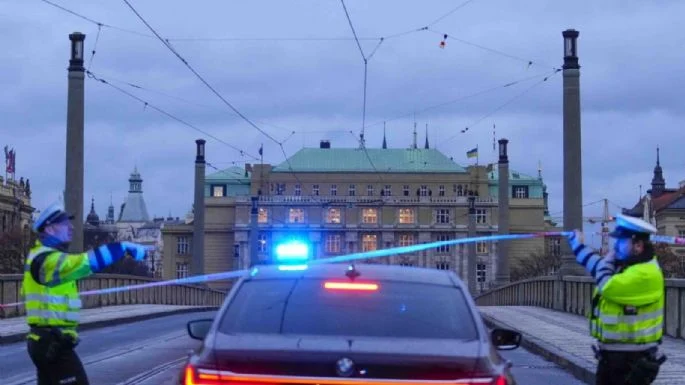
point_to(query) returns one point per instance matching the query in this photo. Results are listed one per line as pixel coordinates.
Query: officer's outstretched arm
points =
(54, 268)
(601, 269)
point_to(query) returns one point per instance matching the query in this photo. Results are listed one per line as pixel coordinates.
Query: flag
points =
(472, 153)
(261, 150)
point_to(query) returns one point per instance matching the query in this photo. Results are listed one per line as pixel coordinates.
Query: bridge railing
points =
(574, 295)
(188, 295)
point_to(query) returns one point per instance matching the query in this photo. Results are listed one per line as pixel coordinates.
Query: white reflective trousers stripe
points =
(72, 316)
(74, 303)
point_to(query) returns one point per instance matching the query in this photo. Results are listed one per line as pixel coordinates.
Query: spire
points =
(539, 169)
(426, 146)
(414, 144)
(658, 182)
(385, 143)
(92, 217)
(110, 210)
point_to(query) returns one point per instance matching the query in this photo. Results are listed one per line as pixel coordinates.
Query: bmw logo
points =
(344, 367)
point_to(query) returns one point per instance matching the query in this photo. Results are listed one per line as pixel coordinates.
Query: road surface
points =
(150, 353)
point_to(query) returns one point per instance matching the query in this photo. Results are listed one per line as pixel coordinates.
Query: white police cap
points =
(53, 214)
(627, 227)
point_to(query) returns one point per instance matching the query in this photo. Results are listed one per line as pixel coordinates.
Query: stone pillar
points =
(573, 173)
(198, 265)
(73, 191)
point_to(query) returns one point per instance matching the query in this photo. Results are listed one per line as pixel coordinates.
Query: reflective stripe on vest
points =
(71, 316)
(56, 300)
(633, 335)
(631, 319)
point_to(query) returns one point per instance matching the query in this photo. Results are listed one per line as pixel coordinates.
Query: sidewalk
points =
(564, 339)
(14, 329)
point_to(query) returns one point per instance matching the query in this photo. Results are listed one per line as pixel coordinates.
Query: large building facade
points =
(15, 205)
(346, 200)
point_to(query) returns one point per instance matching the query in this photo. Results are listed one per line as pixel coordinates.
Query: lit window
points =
(369, 242)
(218, 191)
(481, 247)
(481, 216)
(263, 216)
(442, 216)
(296, 215)
(333, 215)
(370, 215)
(407, 215)
(406, 240)
(333, 243)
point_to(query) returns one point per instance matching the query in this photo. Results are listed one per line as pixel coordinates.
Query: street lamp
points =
(76, 61)
(570, 48)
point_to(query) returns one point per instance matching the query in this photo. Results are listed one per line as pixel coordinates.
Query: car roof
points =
(366, 271)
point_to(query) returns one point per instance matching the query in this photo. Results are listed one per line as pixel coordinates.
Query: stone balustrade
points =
(574, 295)
(187, 295)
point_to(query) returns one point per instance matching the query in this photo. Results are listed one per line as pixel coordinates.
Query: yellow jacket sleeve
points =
(52, 268)
(637, 285)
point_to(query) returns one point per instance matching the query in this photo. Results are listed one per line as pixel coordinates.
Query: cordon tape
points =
(352, 257)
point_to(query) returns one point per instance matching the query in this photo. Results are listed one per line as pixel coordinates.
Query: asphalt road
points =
(114, 354)
(150, 353)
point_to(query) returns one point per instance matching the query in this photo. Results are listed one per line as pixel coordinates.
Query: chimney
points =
(325, 144)
(197, 261)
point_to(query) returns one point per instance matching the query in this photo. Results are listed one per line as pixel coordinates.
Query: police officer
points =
(627, 313)
(52, 299)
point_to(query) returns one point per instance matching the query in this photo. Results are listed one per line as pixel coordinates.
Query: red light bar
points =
(220, 377)
(350, 286)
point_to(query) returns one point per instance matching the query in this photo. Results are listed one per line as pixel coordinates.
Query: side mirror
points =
(505, 339)
(198, 329)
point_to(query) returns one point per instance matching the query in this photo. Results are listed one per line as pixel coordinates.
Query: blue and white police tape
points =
(342, 258)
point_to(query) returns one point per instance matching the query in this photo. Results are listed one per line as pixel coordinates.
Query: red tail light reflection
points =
(350, 286)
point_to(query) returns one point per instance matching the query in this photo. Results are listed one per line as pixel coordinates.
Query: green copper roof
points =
(357, 160)
(513, 175)
(230, 174)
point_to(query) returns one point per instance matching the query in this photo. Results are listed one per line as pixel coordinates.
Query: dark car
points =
(343, 324)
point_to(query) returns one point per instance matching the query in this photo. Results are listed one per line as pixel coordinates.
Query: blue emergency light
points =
(292, 252)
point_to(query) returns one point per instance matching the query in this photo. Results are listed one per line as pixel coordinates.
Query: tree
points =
(538, 264)
(14, 247)
(669, 261)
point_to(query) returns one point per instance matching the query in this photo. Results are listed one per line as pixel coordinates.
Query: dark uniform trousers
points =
(627, 368)
(55, 359)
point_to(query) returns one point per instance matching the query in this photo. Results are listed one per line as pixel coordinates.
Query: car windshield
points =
(304, 306)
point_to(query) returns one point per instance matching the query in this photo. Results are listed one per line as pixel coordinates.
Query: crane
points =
(604, 220)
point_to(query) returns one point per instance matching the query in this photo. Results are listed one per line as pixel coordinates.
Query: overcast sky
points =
(279, 73)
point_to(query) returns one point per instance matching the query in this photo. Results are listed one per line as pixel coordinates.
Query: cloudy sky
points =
(293, 66)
